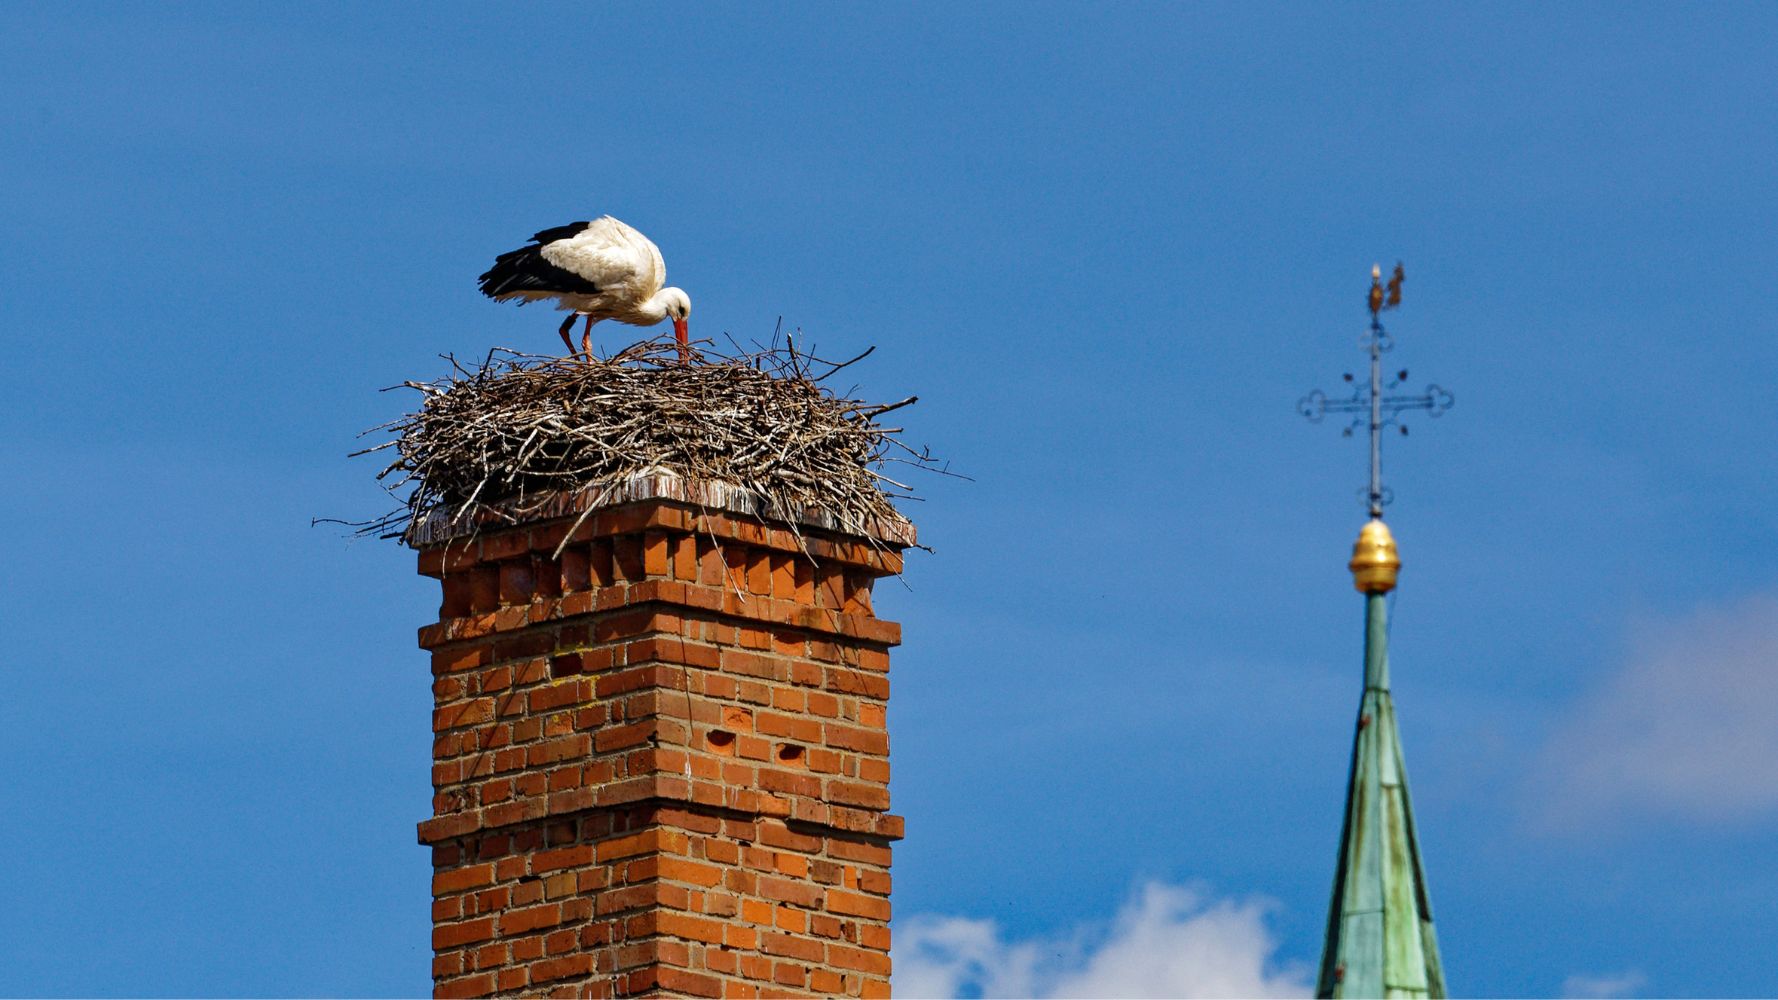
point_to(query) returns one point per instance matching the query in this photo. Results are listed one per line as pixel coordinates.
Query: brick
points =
(464, 713)
(854, 904)
(789, 783)
(737, 936)
(751, 665)
(576, 572)
(690, 983)
(459, 658)
(468, 986)
(873, 962)
(793, 920)
(561, 968)
(484, 589)
(790, 891)
(858, 794)
(635, 679)
(447, 965)
(857, 593)
(687, 926)
(830, 587)
(618, 737)
(508, 813)
(874, 936)
(797, 727)
(563, 857)
(626, 558)
(533, 671)
(655, 553)
(794, 865)
(517, 584)
(724, 961)
(530, 919)
(685, 557)
(680, 870)
(600, 570)
(844, 681)
(756, 967)
(560, 749)
(853, 738)
(775, 834)
(791, 946)
(783, 575)
(459, 934)
(444, 827)
(671, 841)
(462, 878)
(712, 567)
(505, 545)
(524, 646)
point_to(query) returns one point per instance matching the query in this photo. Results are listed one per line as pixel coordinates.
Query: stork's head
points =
(678, 307)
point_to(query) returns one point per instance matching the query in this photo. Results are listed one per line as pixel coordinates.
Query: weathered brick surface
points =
(660, 759)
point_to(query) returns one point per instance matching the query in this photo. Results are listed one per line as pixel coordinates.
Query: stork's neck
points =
(654, 309)
(651, 310)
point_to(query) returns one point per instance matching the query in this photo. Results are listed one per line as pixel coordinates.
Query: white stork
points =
(601, 269)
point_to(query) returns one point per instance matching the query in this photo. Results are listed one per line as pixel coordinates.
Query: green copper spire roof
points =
(1380, 940)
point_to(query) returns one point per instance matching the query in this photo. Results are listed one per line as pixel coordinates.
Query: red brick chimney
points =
(660, 760)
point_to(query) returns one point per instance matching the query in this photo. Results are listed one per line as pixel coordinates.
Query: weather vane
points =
(1374, 403)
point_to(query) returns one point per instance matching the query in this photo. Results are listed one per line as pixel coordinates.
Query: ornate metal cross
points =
(1374, 402)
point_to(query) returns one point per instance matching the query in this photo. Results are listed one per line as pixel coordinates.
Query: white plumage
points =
(601, 269)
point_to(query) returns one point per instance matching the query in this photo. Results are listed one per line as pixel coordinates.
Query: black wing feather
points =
(525, 270)
(560, 232)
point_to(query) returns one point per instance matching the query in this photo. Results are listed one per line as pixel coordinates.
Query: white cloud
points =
(1685, 729)
(1168, 941)
(1614, 984)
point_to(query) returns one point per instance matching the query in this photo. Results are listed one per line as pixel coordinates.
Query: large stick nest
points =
(498, 441)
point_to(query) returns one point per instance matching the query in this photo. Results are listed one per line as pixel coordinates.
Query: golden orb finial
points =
(1375, 561)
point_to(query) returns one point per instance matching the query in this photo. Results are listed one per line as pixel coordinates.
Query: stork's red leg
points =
(568, 324)
(586, 339)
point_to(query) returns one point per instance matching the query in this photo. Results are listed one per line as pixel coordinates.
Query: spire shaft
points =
(1380, 937)
(1376, 642)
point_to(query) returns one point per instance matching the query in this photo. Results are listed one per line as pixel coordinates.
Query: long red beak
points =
(681, 330)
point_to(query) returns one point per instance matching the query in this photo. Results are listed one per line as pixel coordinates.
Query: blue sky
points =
(1109, 247)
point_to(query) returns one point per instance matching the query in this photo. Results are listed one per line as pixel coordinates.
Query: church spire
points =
(1380, 939)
